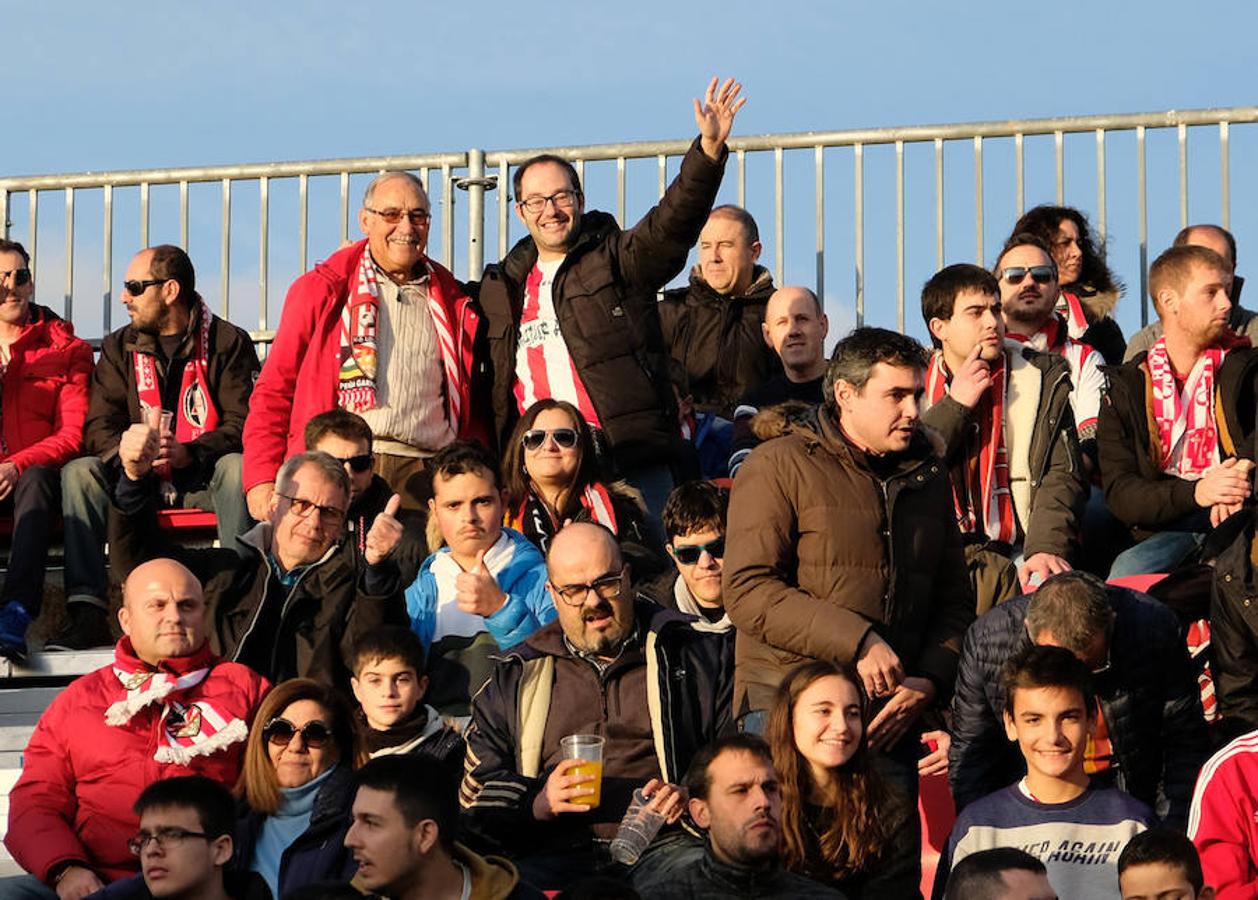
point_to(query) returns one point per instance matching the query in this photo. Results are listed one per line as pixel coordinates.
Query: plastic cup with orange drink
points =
(588, 748)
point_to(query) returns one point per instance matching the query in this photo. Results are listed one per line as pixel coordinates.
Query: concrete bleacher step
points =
(65, 664)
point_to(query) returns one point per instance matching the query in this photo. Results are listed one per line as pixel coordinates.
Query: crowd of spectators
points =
(543, 583)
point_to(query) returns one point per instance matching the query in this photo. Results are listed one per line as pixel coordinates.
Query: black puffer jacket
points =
(717, 342)
(1149, 698)
(605, 300)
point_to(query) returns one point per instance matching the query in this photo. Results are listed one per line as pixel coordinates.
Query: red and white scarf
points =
(1068, 304)
(356, 390)
(188, 727)
(987, 477)
(533, 519)
(1186, 415)
(196, 413)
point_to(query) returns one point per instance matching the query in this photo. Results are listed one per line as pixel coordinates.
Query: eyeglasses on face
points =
(165, 838)
(303, 508)
(280, 732)
(608, 587)
(393, 215)
(688, 554)
(561, 200)
(359, 464)
(19, 276)
(535, 437)
(136, 288)
(1039, 274)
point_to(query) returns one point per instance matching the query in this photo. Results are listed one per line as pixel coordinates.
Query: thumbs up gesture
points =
(384, 534)
(477, 591)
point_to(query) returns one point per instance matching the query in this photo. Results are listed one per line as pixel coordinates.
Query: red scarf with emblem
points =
(196, 413)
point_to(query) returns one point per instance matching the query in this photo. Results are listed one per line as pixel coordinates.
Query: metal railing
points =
(889, 151)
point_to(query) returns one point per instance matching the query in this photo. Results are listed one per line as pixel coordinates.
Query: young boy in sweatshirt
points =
(1052, 813)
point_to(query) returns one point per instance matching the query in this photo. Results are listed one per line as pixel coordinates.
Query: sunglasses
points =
(280, 732)
(533, 439)
(136, 288)
(1039, 274)
(360, 463)
(688, 554)
(20, 276)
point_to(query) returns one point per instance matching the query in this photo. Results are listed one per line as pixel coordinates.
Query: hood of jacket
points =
(1096, 304)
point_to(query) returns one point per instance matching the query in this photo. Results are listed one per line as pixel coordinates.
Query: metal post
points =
(858, 191)
(978, 201)
(475, 213)
(939, 203)
(264, 196)
(183, 215)
(1225, 201)
(821, 226)
(1182, 135)
(225, 251)
(779, 225)
(68, 308)
(107, 267)
(1100, 188)
(899, 235)
(1142, 213)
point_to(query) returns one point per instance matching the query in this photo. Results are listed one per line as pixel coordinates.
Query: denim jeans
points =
(1162, 552)
(33, 505)
(25, 887)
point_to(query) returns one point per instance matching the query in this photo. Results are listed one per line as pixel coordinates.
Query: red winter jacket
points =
(1223, 822)
(302, 369)
(45, 393)
(81, 776)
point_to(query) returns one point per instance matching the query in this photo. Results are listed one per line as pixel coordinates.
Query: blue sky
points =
(135, 85)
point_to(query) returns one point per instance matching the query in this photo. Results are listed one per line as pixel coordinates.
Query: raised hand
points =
(715, 117)
(971, 382)
(137, 450)
(476, 591)
(384, 534)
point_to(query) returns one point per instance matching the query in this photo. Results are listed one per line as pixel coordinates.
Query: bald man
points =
(795, 326)
(654, 684)
(165, 706)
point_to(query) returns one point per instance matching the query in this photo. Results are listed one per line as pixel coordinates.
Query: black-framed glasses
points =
(688, 554)
(561, 200)
(165, 838)
(20, 276)
(136, 288)
(535, 437)
(392, 215)
(303, 508)
(609, 587)
(1039, 274)
(360, 463)
(280, 732)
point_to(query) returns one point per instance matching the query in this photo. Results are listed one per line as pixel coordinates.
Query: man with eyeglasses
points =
(654, 684)
(1150, 736)
(44, 372)
(573, 311)
(293, 600)
(381, 330)
(166, 705)
(174, 360)
(1003, 411)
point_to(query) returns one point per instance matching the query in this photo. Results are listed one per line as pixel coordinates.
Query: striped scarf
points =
(1185, 416)
(534, 521)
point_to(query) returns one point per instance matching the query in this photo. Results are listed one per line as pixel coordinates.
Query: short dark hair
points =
(464, 458)
(1163, 845)
(212, 801)
(1073, 606)
(1022, 239)
(695, 506)
(337, 422)
(171, 263)
(421, 788)
(518, 178)
(1047, 667)
(7, 246)
(1185, 235)
(388, 642)
(698, 780)
(729, 211)
(1172, 269)
(939, 294)
(855, 356)
(980, 876)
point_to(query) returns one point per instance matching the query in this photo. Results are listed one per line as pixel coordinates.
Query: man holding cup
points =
(644, 686)
(175, 367)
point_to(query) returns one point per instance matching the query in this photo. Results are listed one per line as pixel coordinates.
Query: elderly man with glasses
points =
(294, 601)
(383, 331)
(653, 684)
(177, 365)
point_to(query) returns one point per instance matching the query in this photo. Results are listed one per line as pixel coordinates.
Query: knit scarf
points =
(373, 741)
(1068, 304)
(534, 521)
(1186, 415)
(188, 727)
(986, 482)
(356, 390)
(196, 413)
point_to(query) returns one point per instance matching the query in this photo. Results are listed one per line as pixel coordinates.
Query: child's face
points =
(1159, 881)
(1051, 726)
(388, 691)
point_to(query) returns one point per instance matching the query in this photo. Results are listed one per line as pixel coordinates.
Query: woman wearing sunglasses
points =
(296, 788)
(1089, 290)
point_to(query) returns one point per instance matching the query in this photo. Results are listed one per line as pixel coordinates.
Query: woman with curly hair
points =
(1089, 290)
(843, 824)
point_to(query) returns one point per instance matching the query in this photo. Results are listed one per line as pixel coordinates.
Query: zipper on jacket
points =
(1053, 429)
(257, 613)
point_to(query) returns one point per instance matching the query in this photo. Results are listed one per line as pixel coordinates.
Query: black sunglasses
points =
(20, 276)
(688, 554)
(136, 288)
(535, 437)
(360, 463)
(1039, 274)
(280, 732)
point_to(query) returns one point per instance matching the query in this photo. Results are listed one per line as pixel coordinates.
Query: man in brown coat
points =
(842, 545)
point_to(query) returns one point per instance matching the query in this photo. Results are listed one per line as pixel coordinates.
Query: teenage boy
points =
(484, 589)
(694, 524)
(389, 685)
(1161, 864)
(1053, 813)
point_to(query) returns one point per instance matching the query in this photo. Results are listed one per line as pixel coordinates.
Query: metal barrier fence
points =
(476, 172)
